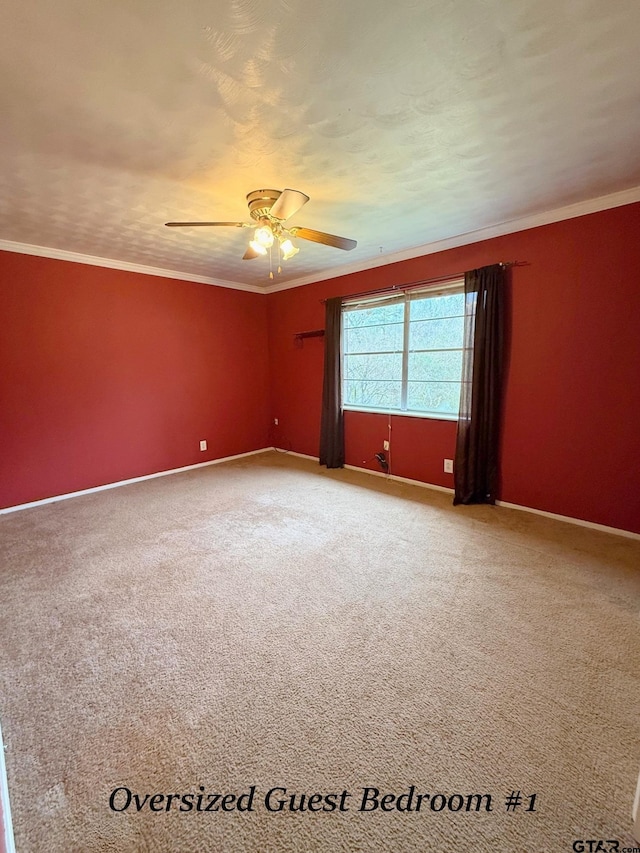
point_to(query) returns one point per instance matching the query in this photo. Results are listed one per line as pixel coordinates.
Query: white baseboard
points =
(571, 520)
(7, 825)
(397, 479)
(618, 531)
(394, 477)
(300, 455)
(132, 480)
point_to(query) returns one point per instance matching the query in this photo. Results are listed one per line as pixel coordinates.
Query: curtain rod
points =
(437, 280)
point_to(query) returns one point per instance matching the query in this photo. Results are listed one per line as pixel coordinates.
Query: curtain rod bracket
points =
(300, 336)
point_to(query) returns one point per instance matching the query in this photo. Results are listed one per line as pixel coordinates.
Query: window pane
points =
(434, 334)
(441, 397)
(432, 307)
(373, 338)
(377, 395)
(444, 366)
(393, 313)
(372, 344)
(369, 367)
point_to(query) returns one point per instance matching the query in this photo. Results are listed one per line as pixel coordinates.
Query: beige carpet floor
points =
(267, 623)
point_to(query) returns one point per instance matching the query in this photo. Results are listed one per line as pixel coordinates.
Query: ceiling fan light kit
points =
(288, 249)
(258, 248)
(270, 209)
(264, 236)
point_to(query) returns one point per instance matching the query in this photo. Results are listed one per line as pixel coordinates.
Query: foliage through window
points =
(404, 353)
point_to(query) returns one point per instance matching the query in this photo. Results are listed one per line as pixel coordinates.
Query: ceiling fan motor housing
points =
(261, 201)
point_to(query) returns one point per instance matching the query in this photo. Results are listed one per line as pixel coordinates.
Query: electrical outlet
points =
(448, 466)
(275, 420)
(203, 445)
(385, 445)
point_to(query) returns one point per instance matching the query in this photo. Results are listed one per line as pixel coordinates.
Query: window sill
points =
(431, 416)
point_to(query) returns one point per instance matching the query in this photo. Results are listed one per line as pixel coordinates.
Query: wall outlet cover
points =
(448, 466)
(203, 445)
(385, 445)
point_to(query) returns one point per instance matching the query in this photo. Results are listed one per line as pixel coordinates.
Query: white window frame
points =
(405, 297)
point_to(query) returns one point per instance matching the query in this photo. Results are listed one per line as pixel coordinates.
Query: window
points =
(403, 353)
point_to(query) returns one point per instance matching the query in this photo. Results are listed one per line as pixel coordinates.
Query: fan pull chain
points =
(270, 269)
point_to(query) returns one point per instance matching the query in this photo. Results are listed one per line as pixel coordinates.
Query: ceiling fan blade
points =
(192, 224)
(288, 203)
(321, 237)
(250, 254)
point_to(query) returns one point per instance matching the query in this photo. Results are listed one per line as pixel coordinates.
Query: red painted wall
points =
(107, 375)
(571, 426)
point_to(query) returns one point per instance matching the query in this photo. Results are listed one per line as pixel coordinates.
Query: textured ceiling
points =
(407, 122)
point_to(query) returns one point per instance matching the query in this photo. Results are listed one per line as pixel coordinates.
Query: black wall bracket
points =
(300, 336)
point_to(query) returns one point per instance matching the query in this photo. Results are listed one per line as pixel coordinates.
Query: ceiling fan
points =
(270, 209)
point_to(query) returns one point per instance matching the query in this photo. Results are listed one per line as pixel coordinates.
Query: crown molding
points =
(126, 266)
(510, 226)
(500, 229)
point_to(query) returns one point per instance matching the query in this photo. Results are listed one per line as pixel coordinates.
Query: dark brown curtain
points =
(331, 426)
(476, 462)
